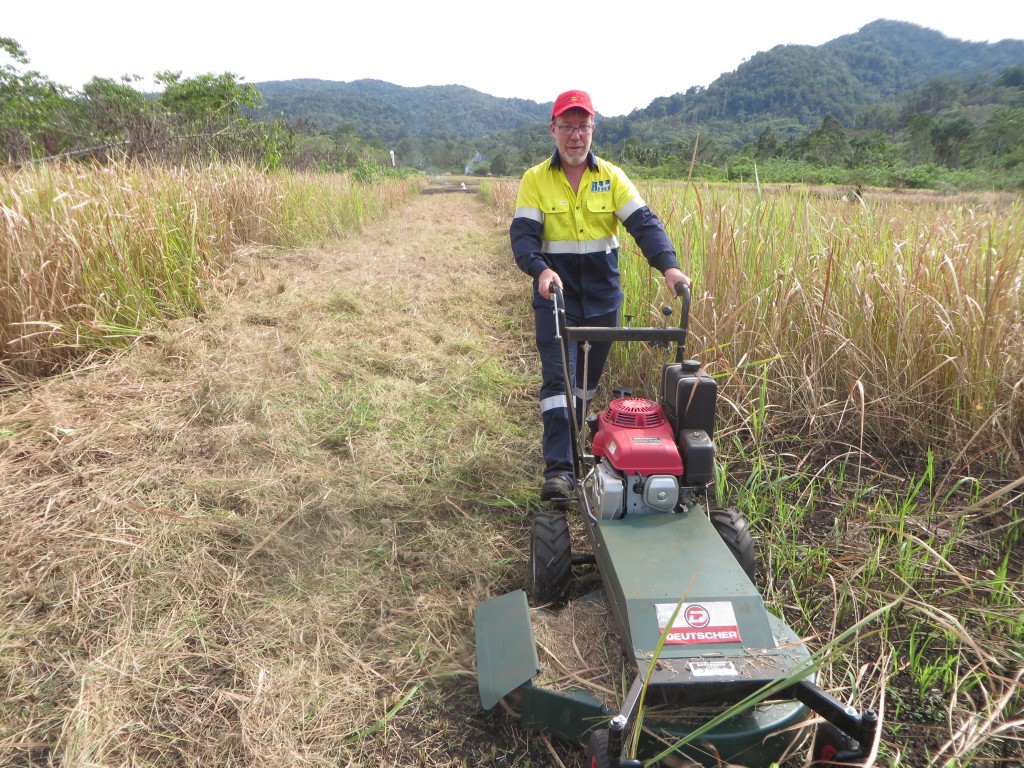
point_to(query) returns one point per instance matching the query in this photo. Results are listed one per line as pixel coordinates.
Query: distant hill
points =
(379, 110)
(790, 87)
(800, 84)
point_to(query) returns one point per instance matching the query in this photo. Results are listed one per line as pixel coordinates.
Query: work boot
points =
(558, 489)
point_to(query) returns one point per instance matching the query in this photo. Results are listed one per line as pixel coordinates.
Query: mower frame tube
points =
(862, 728)
(683, 292)
(563, 369)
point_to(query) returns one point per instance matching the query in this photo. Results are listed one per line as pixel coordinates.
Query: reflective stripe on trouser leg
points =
(550, 403)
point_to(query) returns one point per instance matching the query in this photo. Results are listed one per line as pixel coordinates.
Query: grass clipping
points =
(580, 648)
(254, 539)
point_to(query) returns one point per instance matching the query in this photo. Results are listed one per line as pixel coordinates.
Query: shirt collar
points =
(556, 161)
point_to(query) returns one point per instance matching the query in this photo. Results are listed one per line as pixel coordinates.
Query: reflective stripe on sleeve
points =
(581, 247)
(630, 208)
(534, 214)
(553, 402)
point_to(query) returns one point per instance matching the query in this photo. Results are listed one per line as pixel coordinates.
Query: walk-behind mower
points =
(710, 677)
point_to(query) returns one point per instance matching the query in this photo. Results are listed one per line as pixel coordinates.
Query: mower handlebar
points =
(683, 292)
(651, 335)
(589, 333)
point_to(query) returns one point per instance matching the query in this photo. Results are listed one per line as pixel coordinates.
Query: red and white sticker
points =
(699, 623)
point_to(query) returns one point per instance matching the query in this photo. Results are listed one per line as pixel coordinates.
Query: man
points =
(565, 233)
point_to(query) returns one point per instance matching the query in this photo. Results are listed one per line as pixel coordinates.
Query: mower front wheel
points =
(550, 558)
(735, 532)
(833, 748)
(597, 750)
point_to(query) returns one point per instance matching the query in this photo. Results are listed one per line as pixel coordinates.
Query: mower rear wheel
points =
(735, 532)
(550, 558)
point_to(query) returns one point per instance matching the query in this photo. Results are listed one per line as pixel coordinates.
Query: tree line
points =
(949, 133)
(190, 120)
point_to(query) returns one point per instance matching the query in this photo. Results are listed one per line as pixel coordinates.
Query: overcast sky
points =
(625, 53)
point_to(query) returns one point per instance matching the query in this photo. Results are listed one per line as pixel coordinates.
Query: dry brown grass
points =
(578, 647)
(91, 255)
(892, 323)
(256, 539)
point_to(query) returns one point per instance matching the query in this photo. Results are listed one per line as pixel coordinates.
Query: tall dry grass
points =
(89, 256)
(882, 322)
(888, 322)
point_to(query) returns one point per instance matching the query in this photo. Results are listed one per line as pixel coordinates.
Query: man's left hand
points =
(673, 276)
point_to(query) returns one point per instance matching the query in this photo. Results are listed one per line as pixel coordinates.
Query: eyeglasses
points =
(569, 130)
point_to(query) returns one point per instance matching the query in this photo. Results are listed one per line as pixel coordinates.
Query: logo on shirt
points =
(601, 186)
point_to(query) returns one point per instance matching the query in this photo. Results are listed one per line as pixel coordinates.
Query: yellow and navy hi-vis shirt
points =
(576, 233)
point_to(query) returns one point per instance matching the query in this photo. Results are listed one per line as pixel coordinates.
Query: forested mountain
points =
(378, 110)
(791, 87)
(893, 104)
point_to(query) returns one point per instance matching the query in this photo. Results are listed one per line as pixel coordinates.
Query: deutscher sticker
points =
(699, 623)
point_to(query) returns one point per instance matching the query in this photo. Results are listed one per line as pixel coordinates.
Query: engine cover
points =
(605, 489)
(634, 436)
(610, 494)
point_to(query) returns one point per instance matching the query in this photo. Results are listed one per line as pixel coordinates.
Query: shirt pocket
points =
(600, 216)
(601, 203)
(558, 223)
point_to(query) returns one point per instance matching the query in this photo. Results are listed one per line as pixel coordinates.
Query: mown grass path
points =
(256, 537)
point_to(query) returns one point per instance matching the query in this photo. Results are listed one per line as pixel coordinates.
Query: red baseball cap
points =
(572, 100)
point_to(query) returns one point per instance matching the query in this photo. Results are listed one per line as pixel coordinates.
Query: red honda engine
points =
(638, 465)
(636, 438)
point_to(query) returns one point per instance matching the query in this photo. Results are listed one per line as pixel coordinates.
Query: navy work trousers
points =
(556, 442)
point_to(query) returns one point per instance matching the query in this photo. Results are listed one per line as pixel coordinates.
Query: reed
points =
(877, 321)
(90, 256)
